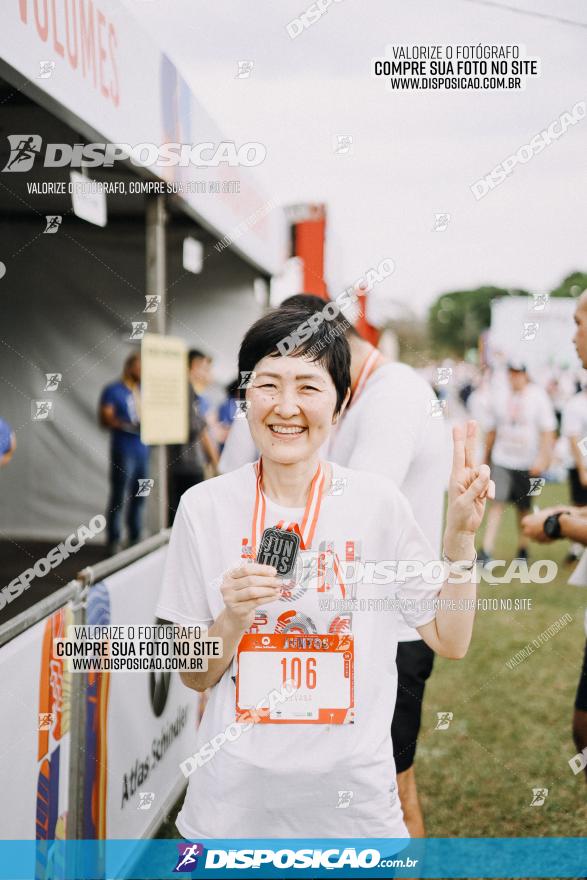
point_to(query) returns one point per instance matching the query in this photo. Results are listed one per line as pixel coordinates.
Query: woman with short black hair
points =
(299, 708)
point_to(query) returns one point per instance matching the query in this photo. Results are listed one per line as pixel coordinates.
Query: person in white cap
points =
(520, 428)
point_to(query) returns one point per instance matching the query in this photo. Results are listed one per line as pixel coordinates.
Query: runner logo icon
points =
(188, 857)
(24, 149)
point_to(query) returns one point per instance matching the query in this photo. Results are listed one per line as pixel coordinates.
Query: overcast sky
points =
(415, 154)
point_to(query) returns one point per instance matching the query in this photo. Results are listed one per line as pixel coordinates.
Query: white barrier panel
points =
(539, 334)
(34, 752)
(150, 718)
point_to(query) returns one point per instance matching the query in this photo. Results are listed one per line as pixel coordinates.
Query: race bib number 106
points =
(290, 678)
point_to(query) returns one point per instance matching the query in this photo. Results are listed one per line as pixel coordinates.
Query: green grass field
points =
(511, 730)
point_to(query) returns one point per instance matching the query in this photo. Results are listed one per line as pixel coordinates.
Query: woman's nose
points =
(287, 403)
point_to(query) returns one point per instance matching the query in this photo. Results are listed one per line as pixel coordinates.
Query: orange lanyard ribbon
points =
(311, 513)
(368, 367)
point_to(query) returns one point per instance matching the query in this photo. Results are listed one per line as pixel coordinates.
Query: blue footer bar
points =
(312, 858)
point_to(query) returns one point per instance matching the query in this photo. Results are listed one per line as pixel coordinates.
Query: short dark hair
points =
(194, 354)
(130, 360)
(314, 303)
(304, 300)
(324, 346)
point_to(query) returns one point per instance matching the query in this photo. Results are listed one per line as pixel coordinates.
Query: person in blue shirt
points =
(187, 461)
(227, 411)
(129, 457)
(7, 442)
(200, 374)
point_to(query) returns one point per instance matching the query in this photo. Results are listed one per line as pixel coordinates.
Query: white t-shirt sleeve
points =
(403, 404)
(239, 448)
(183, 594)
(415, 596)
(571, 422)
(372, 448)
(488, 418)
(546, 416)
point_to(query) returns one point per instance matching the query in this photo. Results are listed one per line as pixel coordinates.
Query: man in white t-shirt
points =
(393, 427)
(520, 430)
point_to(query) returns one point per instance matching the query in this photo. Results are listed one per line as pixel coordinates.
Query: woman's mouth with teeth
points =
(287, 429)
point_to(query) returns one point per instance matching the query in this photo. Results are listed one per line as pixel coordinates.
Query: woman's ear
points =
(339, 414)
(343, 406)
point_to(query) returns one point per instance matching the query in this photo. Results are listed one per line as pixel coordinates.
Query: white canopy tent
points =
(68, 299)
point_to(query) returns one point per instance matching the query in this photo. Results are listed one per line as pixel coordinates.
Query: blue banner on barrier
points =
(158, 859)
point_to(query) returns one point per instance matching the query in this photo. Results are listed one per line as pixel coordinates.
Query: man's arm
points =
(109, 419)
(574, 527)
(579, 458)
(544, 456)
(573, 524)
(489, 443)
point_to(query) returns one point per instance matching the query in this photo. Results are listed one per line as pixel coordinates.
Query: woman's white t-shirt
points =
(285, 780)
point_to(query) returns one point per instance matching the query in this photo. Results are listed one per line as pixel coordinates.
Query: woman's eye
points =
(266, 385)
(309, 388)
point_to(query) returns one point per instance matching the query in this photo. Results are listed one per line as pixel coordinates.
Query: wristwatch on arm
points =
(552, 526)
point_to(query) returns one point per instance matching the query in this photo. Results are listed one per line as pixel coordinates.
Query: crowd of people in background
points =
(533, 431)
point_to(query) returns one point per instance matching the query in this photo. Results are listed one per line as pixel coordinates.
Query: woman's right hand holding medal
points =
(245, 588)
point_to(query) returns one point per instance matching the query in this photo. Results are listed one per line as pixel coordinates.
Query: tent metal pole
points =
(77, 726)
(156, 272)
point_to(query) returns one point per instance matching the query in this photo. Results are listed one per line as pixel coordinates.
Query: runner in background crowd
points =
(188, 460)
(7, 442)
(119, 411)
(227, 411)
(520, 426)
(200, 372)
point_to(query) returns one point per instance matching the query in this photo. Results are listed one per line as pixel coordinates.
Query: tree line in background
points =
(456, 319)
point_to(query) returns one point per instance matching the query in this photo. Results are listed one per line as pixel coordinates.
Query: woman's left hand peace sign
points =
(468, 489)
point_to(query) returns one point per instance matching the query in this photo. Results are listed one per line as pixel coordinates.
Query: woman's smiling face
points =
(291, 403)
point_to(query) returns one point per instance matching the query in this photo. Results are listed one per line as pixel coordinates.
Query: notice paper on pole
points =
(164, 391)
(193, 255)
(88, 199)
